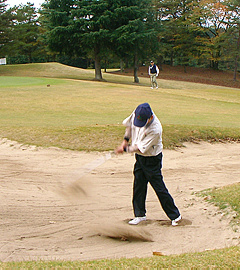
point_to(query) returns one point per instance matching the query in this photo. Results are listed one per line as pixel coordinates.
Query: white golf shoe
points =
(137, 220)
(175, 221)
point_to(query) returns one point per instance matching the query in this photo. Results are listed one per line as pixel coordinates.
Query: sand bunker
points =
(52, 208)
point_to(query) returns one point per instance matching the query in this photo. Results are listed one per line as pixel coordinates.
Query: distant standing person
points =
(153, 72)
(145, 132)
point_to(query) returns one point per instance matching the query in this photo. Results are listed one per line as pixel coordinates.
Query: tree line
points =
(125, 33)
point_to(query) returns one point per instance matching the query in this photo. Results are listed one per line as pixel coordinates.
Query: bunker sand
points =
(51, 209)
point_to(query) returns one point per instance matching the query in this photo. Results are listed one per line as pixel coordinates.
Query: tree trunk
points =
(30, 57)
(121, 65)
(236, 58)
(105, 66)
(235, 68)
(185, 68)
(136, 80)
(126, 62)
(98, 72)
(171, 60)
(160, 62)
(214, 64)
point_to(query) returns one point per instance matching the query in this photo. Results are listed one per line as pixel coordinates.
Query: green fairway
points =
(75, 104)
(7, 81)
(81, 114)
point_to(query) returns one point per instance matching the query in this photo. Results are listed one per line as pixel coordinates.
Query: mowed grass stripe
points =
(79, 114)
(70, 109)
(90, 103)
(8, 81)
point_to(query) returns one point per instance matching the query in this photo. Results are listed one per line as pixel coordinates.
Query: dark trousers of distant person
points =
(148, 169)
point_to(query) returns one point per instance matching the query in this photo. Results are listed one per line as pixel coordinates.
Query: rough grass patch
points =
(226, 198)
(107, 137)
(212, 259)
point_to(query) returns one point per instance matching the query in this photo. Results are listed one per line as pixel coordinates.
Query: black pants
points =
(148, 169)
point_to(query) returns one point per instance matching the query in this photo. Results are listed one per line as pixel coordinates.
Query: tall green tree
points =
(75, 27)
(136, 34)
(95, 18)
(93, 26)
(25, 31)
(5, 27)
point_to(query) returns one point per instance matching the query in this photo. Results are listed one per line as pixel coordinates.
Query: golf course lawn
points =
(55, 105)
(81, 114)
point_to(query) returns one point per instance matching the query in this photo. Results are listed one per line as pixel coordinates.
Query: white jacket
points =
(147, 140)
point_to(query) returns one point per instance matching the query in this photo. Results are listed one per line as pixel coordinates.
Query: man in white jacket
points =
(145, 131)
(153, 72)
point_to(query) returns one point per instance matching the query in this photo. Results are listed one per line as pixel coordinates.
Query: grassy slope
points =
(56, 70)
(80, 114)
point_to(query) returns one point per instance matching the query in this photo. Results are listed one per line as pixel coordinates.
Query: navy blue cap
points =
(142, 113)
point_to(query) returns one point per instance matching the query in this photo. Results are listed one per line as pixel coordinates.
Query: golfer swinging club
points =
(145, 131)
